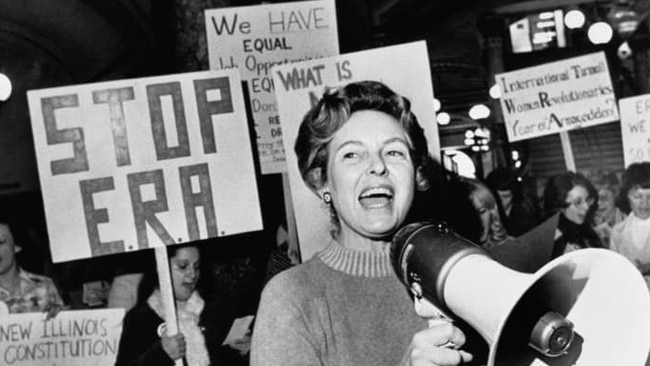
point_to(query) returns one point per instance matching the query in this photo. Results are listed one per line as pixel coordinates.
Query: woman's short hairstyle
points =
(636, 175)
(557, 190)
(334, 109)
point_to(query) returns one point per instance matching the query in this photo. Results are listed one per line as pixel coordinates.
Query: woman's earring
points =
(327, 197)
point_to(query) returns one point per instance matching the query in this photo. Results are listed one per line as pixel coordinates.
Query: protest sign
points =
(254, 38)
(635, 128)
(72, 338)
(557, 96)
(404, 68)
(131, 164)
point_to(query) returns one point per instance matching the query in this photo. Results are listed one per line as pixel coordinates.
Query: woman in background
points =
(202, 325)
(493, 233)
(607, 215)
(519, 214)
(631, 237)
(575, 199)
(22, 291)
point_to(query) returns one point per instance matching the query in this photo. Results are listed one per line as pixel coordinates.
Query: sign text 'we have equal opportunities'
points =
(254, 39)
(131, 164)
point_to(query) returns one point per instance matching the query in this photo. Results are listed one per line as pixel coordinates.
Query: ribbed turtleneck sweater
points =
(342, 307)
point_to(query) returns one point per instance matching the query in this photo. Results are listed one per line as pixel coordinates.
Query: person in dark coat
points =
(203, 324)
(575, 199)
(517, 211)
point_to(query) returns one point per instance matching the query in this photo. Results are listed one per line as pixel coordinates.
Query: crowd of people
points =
(345, 306)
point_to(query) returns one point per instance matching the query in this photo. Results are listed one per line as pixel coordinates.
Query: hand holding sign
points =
(173, 345)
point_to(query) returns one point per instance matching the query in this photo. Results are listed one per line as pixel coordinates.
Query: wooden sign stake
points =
(568, 152)
(292, 231)
(167, 293)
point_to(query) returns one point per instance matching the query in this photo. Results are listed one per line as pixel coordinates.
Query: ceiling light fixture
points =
(436, 104)
(623, 18)
(479, 111)
(495, 91)
(443, 118)
(600, 33)
(5, 87)
(574, 19)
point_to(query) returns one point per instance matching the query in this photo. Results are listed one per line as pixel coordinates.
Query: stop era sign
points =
(132, 164)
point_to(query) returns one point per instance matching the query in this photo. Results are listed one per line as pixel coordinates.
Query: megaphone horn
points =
(588, 307)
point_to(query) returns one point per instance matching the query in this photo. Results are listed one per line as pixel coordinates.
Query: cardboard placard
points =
(254, 38)
(635, 128)
(131, 164)
(72, 338)
(557, 96)
(404, 68)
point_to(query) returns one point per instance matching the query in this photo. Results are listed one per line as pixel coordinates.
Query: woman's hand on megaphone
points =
(438, 345)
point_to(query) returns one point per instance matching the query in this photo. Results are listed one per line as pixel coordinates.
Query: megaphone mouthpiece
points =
(424, 267)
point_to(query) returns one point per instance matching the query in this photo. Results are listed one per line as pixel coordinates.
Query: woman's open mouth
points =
(376, 197)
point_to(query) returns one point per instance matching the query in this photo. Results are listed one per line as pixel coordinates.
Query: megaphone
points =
(588, 307)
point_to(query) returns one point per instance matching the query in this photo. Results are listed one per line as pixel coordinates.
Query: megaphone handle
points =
(439, 321)
(442, 321)
(434, 316)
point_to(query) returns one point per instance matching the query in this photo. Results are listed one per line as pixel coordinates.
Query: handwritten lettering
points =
(79, 327)
(637, 126)
(343, 70)
(302, 78)
(72, 338)
(155, 148)
(94, 216)
(14, 332)
(642, 106)
(268, 44)
(199, 198)
(74, 136)
(213, 97)
(297, 20)
(546, 100)
(61, 349)
(263, 84)
(219, 27)
(155, 94)
(583, 71)
(114, 98)
(259, 106)
(147, 212)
